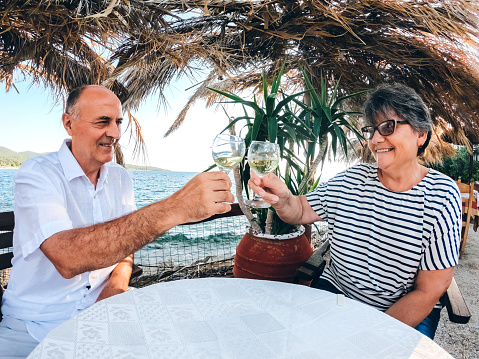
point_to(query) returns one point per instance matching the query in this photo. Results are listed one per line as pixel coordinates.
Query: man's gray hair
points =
(72, 100)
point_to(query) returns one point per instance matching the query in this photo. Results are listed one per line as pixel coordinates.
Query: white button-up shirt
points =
(53, 194)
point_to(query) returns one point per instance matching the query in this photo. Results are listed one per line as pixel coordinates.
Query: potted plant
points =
(304, 130)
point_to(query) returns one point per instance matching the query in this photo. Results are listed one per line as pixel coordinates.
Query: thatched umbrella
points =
(65, 44)
(431, 46)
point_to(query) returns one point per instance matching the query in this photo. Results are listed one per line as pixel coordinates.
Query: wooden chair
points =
(7, 223)
(467, 206)
(453, 300)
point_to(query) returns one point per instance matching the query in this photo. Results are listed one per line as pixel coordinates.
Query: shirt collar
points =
(103, 176)
(71, 167)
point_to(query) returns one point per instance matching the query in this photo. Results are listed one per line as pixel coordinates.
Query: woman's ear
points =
(421, 140)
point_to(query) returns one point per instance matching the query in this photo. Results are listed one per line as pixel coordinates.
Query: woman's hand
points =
(291, 209)
(270, 188)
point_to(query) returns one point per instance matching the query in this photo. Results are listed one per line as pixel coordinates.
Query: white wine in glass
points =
(263, 167)
(263, 158)
(228, 151)
(226, 164)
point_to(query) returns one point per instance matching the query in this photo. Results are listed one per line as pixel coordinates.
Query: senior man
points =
(76, 224)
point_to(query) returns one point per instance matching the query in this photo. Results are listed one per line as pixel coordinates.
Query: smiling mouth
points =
(384, 150)
(108, 145)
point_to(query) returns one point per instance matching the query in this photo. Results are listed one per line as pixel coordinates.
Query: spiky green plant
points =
(301, 130)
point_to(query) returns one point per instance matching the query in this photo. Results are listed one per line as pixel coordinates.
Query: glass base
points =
(257, 203)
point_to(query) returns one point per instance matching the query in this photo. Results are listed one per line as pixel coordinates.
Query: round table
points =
(233, 318)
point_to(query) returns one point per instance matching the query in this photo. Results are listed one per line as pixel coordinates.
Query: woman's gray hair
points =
(404, 102)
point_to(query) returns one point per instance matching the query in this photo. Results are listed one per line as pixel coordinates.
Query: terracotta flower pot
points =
(271, 257)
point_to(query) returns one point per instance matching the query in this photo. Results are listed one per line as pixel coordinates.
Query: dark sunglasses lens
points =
(386, 128)
(368, 132)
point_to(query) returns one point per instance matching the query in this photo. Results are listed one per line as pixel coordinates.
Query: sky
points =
(30, 120)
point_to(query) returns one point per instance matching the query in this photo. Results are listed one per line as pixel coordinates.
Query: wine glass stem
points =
(257, 197)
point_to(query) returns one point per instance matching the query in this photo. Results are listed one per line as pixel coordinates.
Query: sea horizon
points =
(149, 186)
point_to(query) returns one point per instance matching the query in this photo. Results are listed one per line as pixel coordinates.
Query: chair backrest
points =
(7, 222)
(467, 206)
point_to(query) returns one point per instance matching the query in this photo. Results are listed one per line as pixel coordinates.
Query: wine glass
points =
(263, 158)
(228, 151)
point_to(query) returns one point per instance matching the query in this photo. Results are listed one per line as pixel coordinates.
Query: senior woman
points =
(394, 226)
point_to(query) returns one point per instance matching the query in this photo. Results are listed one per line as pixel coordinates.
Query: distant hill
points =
(143, 168)
(14, 159)
(9, 158)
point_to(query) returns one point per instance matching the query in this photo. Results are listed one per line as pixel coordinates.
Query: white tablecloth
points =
(233, 318)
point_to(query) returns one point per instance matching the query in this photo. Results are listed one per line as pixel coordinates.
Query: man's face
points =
(94, 127)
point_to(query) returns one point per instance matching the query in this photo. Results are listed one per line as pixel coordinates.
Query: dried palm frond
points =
(138, 47)
(431, 47)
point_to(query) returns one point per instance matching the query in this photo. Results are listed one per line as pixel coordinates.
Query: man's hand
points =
(203, 196)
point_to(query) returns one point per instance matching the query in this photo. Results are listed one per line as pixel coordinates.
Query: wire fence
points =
(190, 251)
(199, 250)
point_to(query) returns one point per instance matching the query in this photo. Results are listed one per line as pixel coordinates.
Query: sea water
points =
(150, 186)
(6, 189)
(181, 245)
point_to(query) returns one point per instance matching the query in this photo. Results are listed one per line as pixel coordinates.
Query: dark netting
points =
(200, 250)
(190, 251)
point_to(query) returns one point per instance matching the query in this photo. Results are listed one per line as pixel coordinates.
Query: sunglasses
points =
(385, 128)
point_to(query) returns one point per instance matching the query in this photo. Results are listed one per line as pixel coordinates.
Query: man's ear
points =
(67, 122)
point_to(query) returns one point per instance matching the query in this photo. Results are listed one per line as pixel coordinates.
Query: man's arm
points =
(429, 287)
(291, 209)
(118, 280)
(81, 250)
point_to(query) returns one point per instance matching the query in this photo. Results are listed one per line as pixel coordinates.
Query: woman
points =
(394, 226)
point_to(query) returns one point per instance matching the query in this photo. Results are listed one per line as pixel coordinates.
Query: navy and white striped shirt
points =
(380, 238)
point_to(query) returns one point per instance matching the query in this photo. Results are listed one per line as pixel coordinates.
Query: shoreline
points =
(8, 168)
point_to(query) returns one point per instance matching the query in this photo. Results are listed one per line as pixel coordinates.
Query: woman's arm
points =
(429, 287)
(119, 279)
(291, 209)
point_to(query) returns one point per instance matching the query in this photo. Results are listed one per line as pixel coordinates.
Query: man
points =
(76, 224)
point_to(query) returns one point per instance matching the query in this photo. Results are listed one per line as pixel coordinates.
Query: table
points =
(233, 318)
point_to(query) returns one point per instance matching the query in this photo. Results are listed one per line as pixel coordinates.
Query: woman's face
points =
(397, 150)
